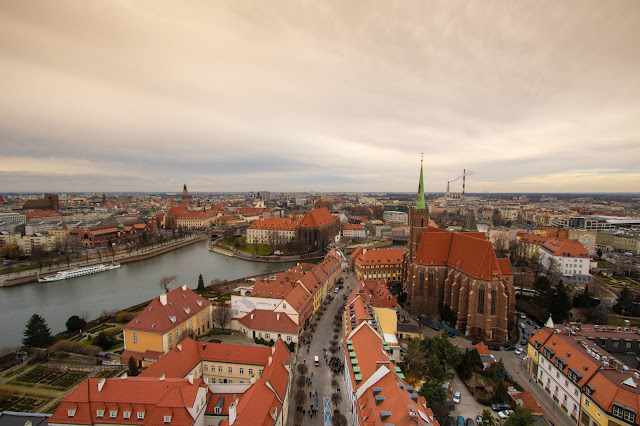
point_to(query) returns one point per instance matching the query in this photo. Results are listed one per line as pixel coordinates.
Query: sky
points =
(237, 95)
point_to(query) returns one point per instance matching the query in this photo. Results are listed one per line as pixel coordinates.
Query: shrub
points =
(74, 347)
(125, 317)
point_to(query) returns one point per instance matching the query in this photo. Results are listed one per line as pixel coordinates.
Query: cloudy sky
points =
(303, 95)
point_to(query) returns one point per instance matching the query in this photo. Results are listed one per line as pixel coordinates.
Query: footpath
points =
(23, 277)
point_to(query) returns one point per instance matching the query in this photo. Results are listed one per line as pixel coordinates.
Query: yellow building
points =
(163, 323)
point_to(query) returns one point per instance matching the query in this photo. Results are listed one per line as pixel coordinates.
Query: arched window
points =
(431, 283)
(481, 300)
(494, 296)
(421, 282)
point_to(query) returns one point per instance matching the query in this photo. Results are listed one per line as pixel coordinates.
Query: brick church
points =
(459, 270)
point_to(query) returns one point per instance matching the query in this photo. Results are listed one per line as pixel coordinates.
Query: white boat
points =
(79, 272)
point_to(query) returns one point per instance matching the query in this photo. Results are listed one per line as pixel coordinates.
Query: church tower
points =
(418, 219)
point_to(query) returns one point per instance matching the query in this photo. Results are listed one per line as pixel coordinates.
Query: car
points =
(523, 342)
(456, 397)
(494, 348)
(530, 323)
(505, 414)
(470, 422)
(522, 326)
(509, 348)
(522, 315)
(479, 419)
(336, 290)
(460, 421)
(518, 351)
(475, 342)
(500, 406)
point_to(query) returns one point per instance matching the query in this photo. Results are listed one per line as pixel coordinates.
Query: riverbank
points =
(9, 280)
(272, 259)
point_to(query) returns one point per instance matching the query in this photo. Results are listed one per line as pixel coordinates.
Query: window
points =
(288, 338)
(191, 324)
(217, 410)
(241, 370)
(575, 392)
(140, 415)
(261, 372)
(113, 414)
(167, 419)
(100, 414)
(494, 296)
(135, 337)
(71, 413)
(219, 369)
(170, 337)
(260, 335)
(176, 333)
(616, 343)
(213, 380)
(230, 369)
(481, 300)
(182, 329)
(586, 402)
(251, 371)
(206, 367)
(126, 414)
(266, 336)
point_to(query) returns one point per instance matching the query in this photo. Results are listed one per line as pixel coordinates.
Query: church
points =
(458, 270)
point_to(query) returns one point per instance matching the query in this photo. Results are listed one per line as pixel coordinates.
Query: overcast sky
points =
(324, 95)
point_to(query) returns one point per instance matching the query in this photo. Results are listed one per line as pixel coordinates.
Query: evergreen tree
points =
(520, 417)
(624, 305)
(104, 340)
(200, 283)
(37, 332)
(133, 367)
(559, 303)
(499, 371)
(500, 394)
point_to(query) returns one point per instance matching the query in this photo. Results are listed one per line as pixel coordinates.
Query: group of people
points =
(337, 366)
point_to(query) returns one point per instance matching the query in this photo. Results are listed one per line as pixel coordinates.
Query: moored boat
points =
(79, 272)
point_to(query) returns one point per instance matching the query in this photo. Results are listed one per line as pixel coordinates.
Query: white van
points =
(316, 361)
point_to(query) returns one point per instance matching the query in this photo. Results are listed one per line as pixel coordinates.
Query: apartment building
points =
(275, 230)
(571, 260)
(396, 217)
(378, 264)
(353, 231)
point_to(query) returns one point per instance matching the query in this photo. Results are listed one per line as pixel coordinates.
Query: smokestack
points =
(464, 181)
(447, 194)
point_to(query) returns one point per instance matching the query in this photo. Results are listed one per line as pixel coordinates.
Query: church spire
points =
(420, 203)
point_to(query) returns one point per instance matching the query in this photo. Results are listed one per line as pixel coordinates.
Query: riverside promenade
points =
(123, 256)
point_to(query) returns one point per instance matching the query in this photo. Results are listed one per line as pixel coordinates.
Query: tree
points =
(165, 281)
(497, 219)
(37, 332)
(433, 392)
(599, 315)
(599, 252)
(336, 398)
(520, 417)
(559, 303)
(104, 340)
(488, 419)
(447, 315)
(200, 283)
(133, 367)
(414, 356)
(339, 419)
(222, 315)
(624, 304)
(499, 371)
(543, 285)
(75, 323)
(300, 397)
(302, 369)
(500, 393)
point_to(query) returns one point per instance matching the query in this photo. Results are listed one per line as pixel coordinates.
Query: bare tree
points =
(223, 315)
(165, 281)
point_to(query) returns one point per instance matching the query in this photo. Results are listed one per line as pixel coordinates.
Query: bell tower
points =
(418, 219)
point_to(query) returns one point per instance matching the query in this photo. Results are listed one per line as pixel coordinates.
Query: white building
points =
(274, 230)
(355, 231)
(398, 217)
(570, 259)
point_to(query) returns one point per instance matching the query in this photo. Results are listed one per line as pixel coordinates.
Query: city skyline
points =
(326, 97)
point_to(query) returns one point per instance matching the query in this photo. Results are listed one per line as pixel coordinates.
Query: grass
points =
(17, 371)
(604, 264)
(620, 321)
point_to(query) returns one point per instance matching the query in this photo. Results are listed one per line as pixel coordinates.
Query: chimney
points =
(270, 360)
(179, 347)
(190, 379)
(101, 384)
(124, 376)
(163, 299)
(274, 413)
(252, 316)
(232, 413)
(184, 288)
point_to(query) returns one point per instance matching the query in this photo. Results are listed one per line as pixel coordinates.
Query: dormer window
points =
(187, 310)
(140, 415)
(71, 413)
(113, 414)
(99, 414)
(199, 302)
(217, 410)
(126, 414)
(167, 419)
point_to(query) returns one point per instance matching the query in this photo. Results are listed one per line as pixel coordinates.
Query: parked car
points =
(522, 315)
(509, 348)
(500, 406)
(460, 421)
(505, 414)
(470, 422)
(479, 419)
(336, 290)
(530, 322)
(536, 327)
(518, 351)
(523, 342)
(494, 348)
(456, 397)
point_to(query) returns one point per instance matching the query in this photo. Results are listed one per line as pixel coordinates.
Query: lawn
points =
(620, 321)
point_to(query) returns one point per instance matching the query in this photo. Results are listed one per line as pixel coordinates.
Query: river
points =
(116, 289)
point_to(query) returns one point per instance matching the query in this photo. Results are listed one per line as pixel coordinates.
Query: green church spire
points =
(420, 203)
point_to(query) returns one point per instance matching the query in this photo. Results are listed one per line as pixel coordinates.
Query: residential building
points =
(165, 321)
(612, 398)
(621, 241)
(269, 325)
(43, 216)
(275, 230)
(566, 258)
(379, 264)
(353, 231)
(396, 217)
(596, 223)
(14, 218)
(29, 242)
(134, 400)
(459, 270)
(48, 202)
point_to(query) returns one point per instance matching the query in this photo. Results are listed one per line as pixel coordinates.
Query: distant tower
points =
(152, 224)
(186, 198)
(418, 219)
(464, 181)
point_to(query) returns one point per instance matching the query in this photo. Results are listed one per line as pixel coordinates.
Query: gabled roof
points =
(275, 224)
(376, 293)
(152, 396)
(182, 303)
(179, 361)
(277, 322)
(381, 257)
(563, 247)
(614, 387)
(317, 217)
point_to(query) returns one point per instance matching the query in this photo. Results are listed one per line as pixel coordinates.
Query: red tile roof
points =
(565, 248)
(352, 227)
(528, 401)
(482, 349)
(317, 217)
(381, 257)
(275, 223)
(610, 388)
(152, 396)
(179, 361)
(376, 293)
(277, 322)
(182, 304)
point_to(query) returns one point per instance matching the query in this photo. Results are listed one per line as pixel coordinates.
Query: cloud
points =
(246, 95)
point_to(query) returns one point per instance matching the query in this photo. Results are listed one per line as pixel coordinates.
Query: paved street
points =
(322, 376)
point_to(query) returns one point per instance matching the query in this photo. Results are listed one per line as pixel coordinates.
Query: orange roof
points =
(528, 401)
(482, 349)
(532, 239)
(278, 322)
(275, 223)
(179, 361)
(352, 227)
(565, 248)
(151, 396)
(376, 293)
(318, 217)
(609, 387)
(279, 288)
(182, 303)
(381, 257)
